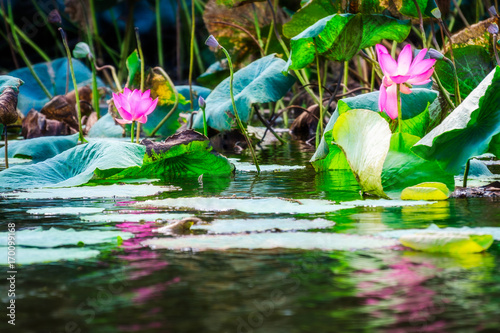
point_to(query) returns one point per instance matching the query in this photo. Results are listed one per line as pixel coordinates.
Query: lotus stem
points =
(48, 25)
(400, 115)
(466, 173)
(319, 127)
(113, 74)
(421, 21)
(205, 126)
(495, 38)
(141, 57)
(15, 30)
(132, 132)
(443, 91)
(191, 55)
(238, 120)
(6, 147)
(126, 40)
(77, 97)
(158, 33)
(346, 76)
(196, 49)
(160, 124)
(21, 51)
(95, 91)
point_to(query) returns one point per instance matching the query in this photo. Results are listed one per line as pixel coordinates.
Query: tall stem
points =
(77, 97)
(466, 173)
(21, 51)
(126, 40)
(319, 128)
(191, 55)
(400, 115)
(238, 120)
(158, 33)
(160, 124)
(205, 126)
(95, 91)
(141, 56)
(346, 76)
(421, 21)
(132, 132)
(6, 147)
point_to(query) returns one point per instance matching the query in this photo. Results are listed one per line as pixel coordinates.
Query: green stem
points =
(132, 132)
(22, 54)
(238, 120)
(95, 91)
(113, 74)
(443, 91)
(372, 82)
(160, 124)
(48, 25)
(115, 26)
(346, 76)
(257, 26)
(122, 68)
(205, 126)
(400, 115)
(15, 30)
(196, 50)
(77, 97)
(421, 21)
(191, 54)
(319, 127)
(466, 173)
(141, 57)
(158, 33)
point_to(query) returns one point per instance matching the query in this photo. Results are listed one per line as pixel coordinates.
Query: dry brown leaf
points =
(8, 104)
(476, 34)
(36, 124)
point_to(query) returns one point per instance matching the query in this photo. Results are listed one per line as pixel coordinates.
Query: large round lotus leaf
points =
(340, 36)
(185, 153)
(447, 242)
(473, 64)
(40, 149)
(364, 137)
(75, 166)
(106, 127)
(402, 168)
(7, 81)
(468, 130)
(259, 82)
(423, 193)
(408, 8)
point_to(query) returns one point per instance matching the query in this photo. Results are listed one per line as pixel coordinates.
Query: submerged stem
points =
(238, 120)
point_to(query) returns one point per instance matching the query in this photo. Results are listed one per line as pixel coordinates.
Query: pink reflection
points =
(399, 288)
(147, 293)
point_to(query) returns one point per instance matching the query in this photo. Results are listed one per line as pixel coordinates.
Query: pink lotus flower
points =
(404, 72)
(134, 105)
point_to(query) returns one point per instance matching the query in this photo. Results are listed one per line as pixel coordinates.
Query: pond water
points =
(133, 288)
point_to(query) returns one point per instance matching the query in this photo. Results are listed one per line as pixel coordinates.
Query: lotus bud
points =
(201, 102)
(436, 13)
(54, 17)
(493, 29)
(212, 42)
(435, 54)
(492, 11)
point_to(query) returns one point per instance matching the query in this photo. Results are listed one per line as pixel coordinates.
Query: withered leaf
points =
(8, 104)
(36, 124)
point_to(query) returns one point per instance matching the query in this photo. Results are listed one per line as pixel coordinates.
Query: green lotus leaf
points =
(473, 65)
(259, 82)
(7, 81)
(364, 137)
(40, 149)
(402, 168)
(340, 36)
(426, 191)
(187, 153)
(468, 130)
(426, 7)
(447, 242)
(106, 127)
(75, 166)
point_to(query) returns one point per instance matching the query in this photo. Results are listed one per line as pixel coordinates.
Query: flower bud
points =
(493, 29)
(201, 102)
(54, 17)
(492, 11)
(212, 42)
(435, 54)
(436, 13)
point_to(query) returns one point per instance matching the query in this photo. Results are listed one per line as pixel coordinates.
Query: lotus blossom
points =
(404, 73)
(134, 105)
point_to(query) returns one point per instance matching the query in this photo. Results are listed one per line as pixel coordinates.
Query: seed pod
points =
(8, 104)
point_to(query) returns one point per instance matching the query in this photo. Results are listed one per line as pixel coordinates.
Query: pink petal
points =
(420, 56)
(134, 100)
(391, 105)
(381, 49)
(142, 119)
(400, 78)
(382, 98)
(146, 94)
(404, 60)
(387, 81)
(388, 65)
(152, 107)
(404, 89)
(127, 91)
(123, 121)
(421, 67)
(423, 77)
(142, 107)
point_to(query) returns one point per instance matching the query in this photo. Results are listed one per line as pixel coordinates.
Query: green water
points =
(135, 289)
